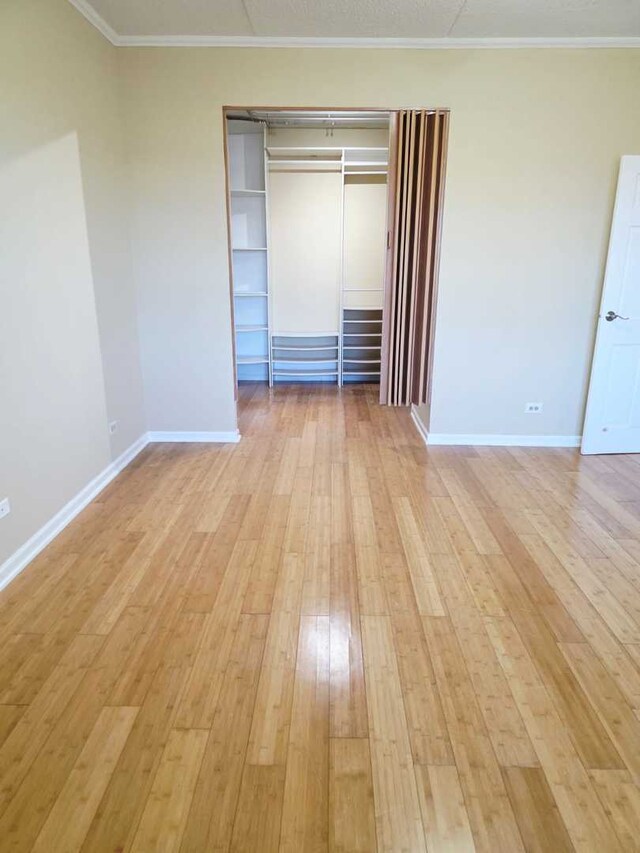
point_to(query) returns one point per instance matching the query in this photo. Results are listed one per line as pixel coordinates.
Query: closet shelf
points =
(251, 328)
(304, 360)
(248, 193)
(250, 293)
(277, 372)
(302, 152)
(305, 348)
(366, 163)
(361, 360)
(249, 249)
(349, 320)
(252, 359)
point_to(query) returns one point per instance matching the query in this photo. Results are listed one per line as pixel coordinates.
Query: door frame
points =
(390, 228)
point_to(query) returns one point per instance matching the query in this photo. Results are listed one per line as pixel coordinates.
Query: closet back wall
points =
(305, 231)
(304, 218)
(535, 141)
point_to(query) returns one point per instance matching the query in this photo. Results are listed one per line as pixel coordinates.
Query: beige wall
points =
(69, 357)
(304, 258)
(535, 140)
(365, 240)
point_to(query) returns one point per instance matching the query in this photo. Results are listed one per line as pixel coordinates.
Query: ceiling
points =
(131, 20)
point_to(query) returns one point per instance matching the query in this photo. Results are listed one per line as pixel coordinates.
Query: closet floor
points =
(330, 637)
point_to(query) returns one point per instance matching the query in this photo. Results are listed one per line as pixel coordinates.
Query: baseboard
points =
(415, 417)
(230, 437)
(32, 547)
(488, 440)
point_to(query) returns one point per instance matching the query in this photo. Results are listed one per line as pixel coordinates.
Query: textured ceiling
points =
(373, 18)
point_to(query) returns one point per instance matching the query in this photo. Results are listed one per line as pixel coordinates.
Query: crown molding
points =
(87, 10)
(377, 43)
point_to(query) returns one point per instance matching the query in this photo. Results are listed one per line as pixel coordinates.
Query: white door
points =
(612, 422)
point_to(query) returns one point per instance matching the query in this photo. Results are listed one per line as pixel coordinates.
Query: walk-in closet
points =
(308, 223)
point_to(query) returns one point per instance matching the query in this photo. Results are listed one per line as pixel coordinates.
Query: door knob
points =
(611, 315)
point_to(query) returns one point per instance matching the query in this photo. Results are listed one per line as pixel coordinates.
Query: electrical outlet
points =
(113, 427)
(532, 408)
(5, 507)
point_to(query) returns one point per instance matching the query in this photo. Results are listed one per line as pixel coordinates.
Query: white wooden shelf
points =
(252, 359)
(244, 193)
(253, 293)
(252, 328)
(308, 373)
(297, 349)
(249, 249)
(303, 359)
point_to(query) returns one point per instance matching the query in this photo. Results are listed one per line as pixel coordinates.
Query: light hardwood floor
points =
(330, 637)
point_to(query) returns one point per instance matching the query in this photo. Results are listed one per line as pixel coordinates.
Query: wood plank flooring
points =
(328, 637)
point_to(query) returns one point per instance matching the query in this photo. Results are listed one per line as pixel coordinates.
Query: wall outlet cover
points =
(532, 408)
(5, 507)
(113, 427)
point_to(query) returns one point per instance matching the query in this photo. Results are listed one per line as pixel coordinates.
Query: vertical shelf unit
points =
(361, 345)
(250, 249)
(361, 306)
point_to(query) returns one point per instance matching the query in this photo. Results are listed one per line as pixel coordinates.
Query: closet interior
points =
(308, 207)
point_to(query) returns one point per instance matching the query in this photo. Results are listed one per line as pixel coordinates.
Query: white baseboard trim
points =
(487, 440)
(504, 440)
(48, 532)
(424, 435)
(230, 437)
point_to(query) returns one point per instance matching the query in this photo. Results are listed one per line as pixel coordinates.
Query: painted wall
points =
(304, 221)
(69, 356)
(536, 136)
(365, 239)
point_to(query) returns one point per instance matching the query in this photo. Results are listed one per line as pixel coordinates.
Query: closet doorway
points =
(307, 202)
(335, 221)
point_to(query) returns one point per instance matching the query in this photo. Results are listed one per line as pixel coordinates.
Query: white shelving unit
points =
(360, 307)
(361, 345)
(250, 249)
(350, 354)
(305, 358)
